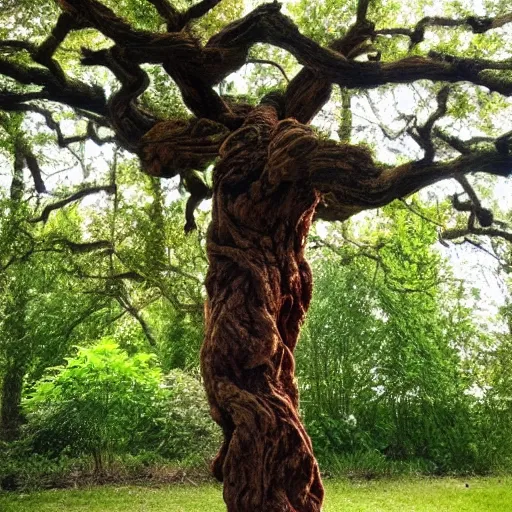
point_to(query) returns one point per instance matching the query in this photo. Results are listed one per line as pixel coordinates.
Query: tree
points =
(12, 330)
(45, 267)
(273, 174)
(379, 360)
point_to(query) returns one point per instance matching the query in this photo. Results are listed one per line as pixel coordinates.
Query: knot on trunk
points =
(172, 147)
(289, 151)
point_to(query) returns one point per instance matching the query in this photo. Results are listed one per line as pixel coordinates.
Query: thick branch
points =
(197, 69)
(73, 93)
(175, 147)
(362, 10)
(350, 181)
(309, 90)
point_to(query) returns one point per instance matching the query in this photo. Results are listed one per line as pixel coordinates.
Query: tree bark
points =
(12, 328)
(10, 416)
(259, 288)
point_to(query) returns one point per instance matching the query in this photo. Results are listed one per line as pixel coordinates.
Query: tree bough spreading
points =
(272, 176)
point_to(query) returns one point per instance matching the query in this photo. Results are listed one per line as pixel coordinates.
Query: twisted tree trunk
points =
(267, 186)
(259, 288)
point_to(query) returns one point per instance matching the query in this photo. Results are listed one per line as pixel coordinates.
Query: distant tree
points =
(379, 362)
(273, 173)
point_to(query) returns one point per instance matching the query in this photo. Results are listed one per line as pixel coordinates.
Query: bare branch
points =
(420, 214)
(126, 304)
(35, 170)
(84, 247)
(131, 275)
(478, 25)
(271, 63)
(74, 93)
(423, 134)
(57, 245)
(199, 10)
(109, 189)
(63, 141)
(44, 53)
(474, 206)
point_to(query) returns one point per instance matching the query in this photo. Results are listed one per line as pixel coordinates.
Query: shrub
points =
(99, 404)
(187, 432)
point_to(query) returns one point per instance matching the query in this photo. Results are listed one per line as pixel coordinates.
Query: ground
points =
(416, 495)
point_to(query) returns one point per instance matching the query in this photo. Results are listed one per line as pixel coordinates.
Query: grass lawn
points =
(419, 495)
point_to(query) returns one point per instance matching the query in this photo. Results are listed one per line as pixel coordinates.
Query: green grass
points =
(418, 495)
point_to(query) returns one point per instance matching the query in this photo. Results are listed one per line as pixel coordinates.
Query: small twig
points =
(271, 63)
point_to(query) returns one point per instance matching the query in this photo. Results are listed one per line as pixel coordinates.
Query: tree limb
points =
(45, 214)
(271, 63)
(423, 134)
(350, 182)
(452, 234)
(74, 93)
(478, 25)
(126, 304)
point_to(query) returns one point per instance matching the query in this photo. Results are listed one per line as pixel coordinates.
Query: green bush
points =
(101, 403)
(187, 432)
(21, 469)
(335, 436)
(105, 403)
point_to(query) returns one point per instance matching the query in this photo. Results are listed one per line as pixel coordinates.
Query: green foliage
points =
(99, 403)
(394, 370)
(186, 431)
(104, 402)
(381, 359)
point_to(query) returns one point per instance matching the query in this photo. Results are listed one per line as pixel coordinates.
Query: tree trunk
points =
(10, 416)
(13, 326)
(259, 288)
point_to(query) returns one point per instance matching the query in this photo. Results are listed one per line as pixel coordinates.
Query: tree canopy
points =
(344, 107)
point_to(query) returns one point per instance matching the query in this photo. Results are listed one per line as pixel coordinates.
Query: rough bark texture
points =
(259, 288)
